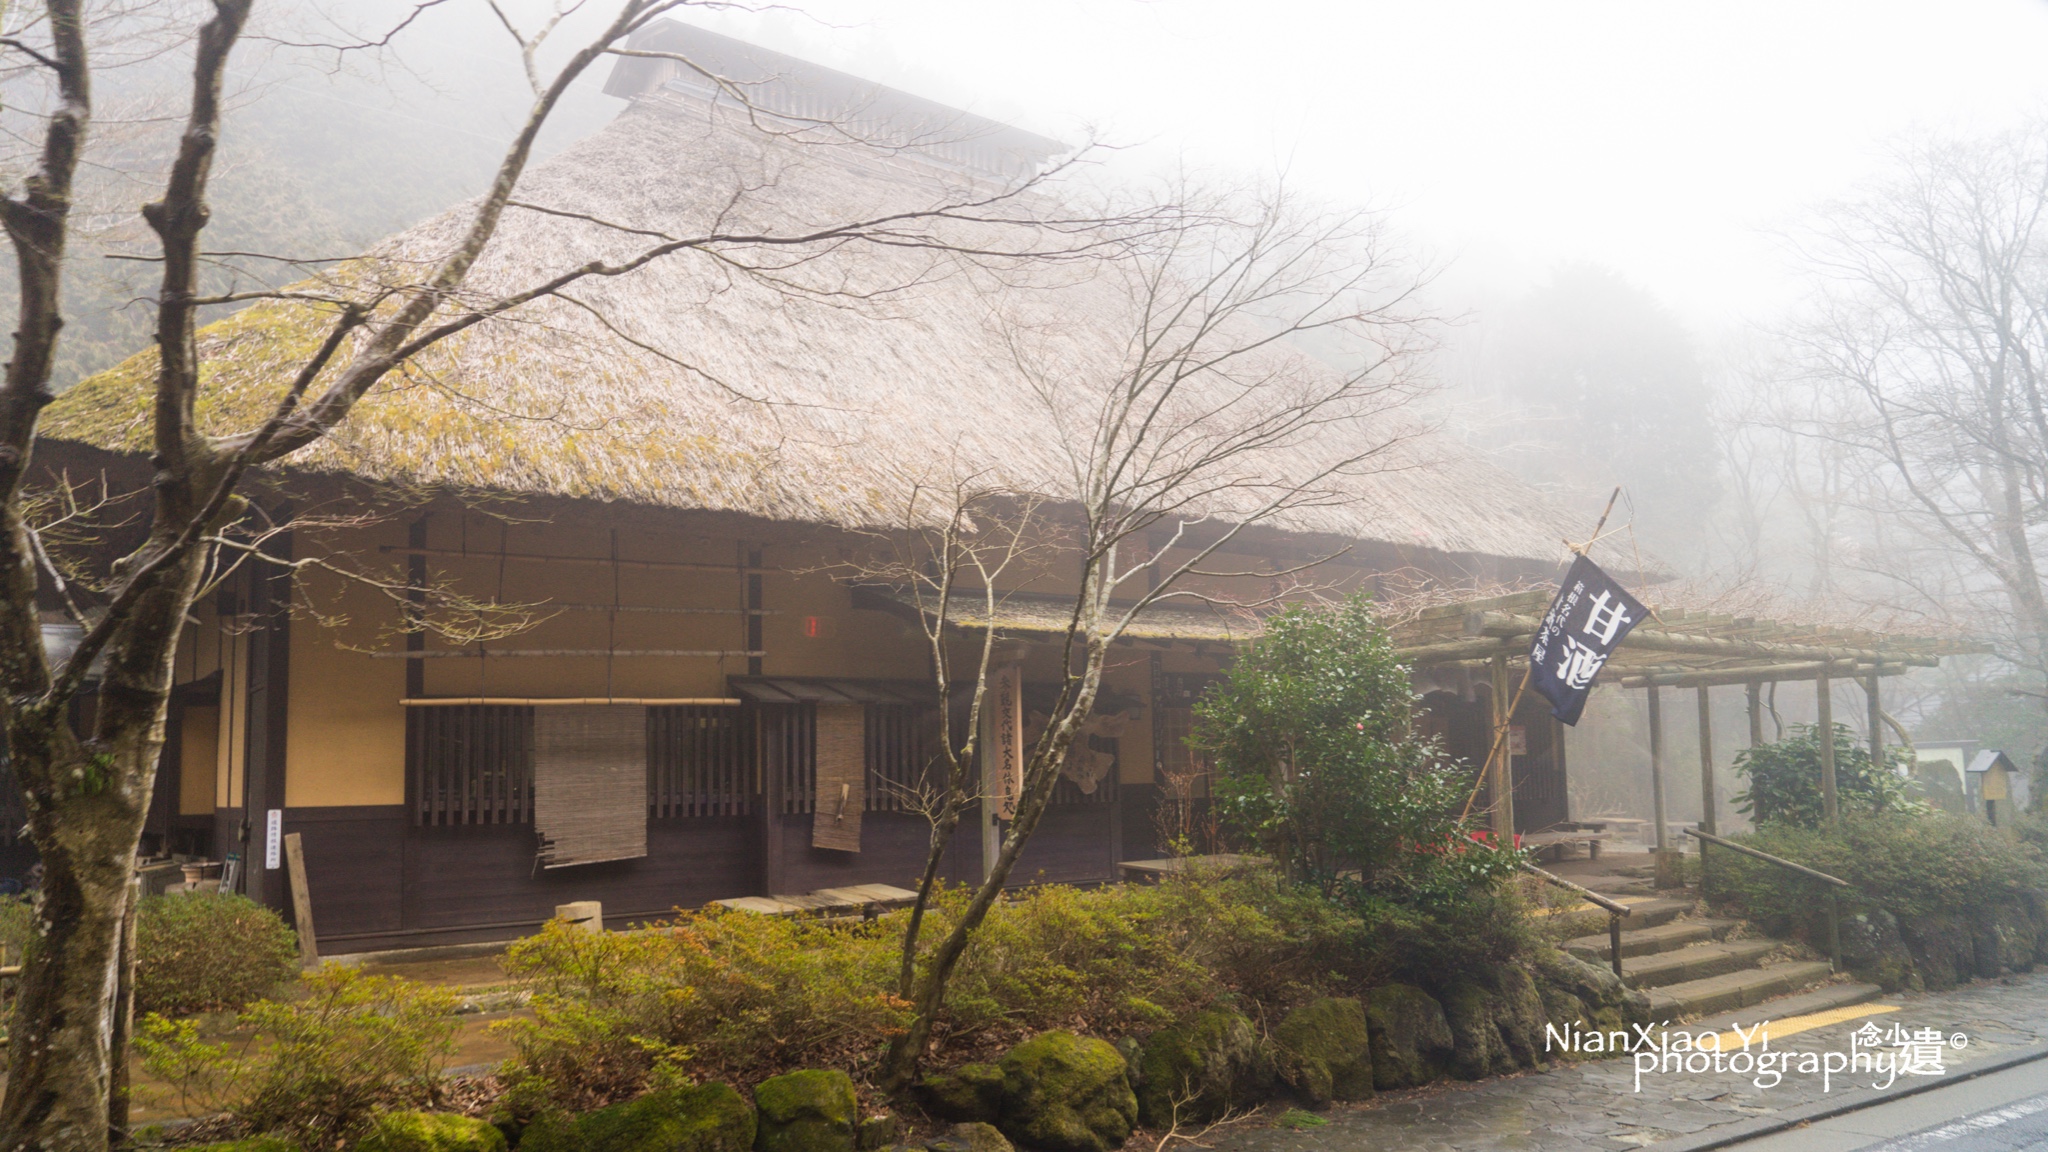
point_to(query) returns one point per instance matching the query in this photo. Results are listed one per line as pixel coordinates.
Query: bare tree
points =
(1928, 365)
(1176, 408)
(87, 788)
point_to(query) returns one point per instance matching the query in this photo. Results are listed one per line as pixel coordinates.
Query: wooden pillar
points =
(1825, 699)
(1756, 713)
(1662, 839)
(1502, 779)
(1876, 722)
(1708, 800)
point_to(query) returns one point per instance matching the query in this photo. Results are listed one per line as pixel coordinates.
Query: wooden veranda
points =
(1675, 648)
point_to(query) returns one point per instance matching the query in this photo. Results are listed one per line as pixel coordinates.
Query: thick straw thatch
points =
(661, 401)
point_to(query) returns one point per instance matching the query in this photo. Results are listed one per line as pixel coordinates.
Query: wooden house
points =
(700, 703)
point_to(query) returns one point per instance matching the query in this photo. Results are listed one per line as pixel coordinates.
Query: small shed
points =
(1992, 777)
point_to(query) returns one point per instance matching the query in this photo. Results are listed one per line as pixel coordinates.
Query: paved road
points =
(2002, 1112)
(1597, 1106)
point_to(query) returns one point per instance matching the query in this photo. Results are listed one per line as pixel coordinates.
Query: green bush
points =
(209, 953)
(1321, 767)
(734, 996)
(318, 1065)
(1784, 779)
(1908, 864)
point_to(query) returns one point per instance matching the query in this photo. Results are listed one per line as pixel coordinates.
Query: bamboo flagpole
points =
(1504, 720)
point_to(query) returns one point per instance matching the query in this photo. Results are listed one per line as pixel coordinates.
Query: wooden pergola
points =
(1673, 649)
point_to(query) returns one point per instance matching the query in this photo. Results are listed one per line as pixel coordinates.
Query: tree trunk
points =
(87, 801)
(62, 1050)
(906, 1051)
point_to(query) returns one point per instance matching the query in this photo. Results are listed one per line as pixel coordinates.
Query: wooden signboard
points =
(1002, 777)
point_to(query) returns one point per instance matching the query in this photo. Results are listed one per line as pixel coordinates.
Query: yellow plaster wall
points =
(198, 760)
(346, 736)
(230, 753)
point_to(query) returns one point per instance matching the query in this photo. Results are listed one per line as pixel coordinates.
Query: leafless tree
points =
(1176, 409)
(1927, 363)
(87, 788)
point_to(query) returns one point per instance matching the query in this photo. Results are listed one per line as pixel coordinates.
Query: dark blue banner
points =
(1586, 621)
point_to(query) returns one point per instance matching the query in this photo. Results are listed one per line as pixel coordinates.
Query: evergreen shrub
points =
(209, 953)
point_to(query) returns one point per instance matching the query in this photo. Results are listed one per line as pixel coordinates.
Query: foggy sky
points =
(1661, 139)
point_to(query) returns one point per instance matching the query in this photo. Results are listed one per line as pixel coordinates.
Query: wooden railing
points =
(1615, 909)
(1835, 884)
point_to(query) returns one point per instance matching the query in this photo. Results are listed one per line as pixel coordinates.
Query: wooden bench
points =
(1561, 842)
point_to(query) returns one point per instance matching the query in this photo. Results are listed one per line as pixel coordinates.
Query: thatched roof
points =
(656, 403)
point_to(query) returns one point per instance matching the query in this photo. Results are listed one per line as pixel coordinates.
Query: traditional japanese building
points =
(701, 698)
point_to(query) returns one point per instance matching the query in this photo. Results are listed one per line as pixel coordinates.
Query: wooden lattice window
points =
(787, 736)
(698, 762)
(470, 764)
(899, 754)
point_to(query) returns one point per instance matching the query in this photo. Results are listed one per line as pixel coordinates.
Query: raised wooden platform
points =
(858, 898)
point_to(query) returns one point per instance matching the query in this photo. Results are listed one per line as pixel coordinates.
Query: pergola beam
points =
(1503, 624)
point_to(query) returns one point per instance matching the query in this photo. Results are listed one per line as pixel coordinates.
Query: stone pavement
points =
(1595, 1105)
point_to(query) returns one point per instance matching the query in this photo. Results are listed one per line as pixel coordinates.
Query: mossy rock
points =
(431, 1132)
(1478, 1049)
(1326, 1050)
(704, 1118)
(1410, 1038)
(1518, 1014)
(1066, 1093)
(249, 1144)
(1873, 950)
(970, 1137)
(810, 1111)
(1200, 1068)
(1610, 1005)
(970, 1092)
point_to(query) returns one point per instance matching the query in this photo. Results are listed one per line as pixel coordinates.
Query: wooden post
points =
(1756, 713)
(1503, 774)
(1662, 839)
(124, 1019)
(1876, 723)
(1708, 799)
(1825, 699)
(302, 900)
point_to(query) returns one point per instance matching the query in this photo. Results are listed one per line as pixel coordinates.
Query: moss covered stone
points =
(967, 1093)
(969, 1138)
(810, 1111)
(431, 1132)
(1410, 1038)
(704, 1118)
(250, 1144)
(1200, 1068)
(1066, 1093)
(1326, 1050)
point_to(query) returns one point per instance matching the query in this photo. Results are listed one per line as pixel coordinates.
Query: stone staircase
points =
(1691, 969)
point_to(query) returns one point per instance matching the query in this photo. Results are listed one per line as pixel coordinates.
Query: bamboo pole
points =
(545, 701)
(1502, 755)
(1755, 690)
(1661, 837)
(1708, 799)
(1825, 701)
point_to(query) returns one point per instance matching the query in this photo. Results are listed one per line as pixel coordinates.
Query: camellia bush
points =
(1784, 779)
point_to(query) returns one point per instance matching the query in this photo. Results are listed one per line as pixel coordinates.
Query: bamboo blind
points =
(590, 783)
(840, 775)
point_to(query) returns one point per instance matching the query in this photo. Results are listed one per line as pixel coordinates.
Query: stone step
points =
(1643, 912)
(1644, 941)
(1694, 962)
(1734, 989)
(1822, 999)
